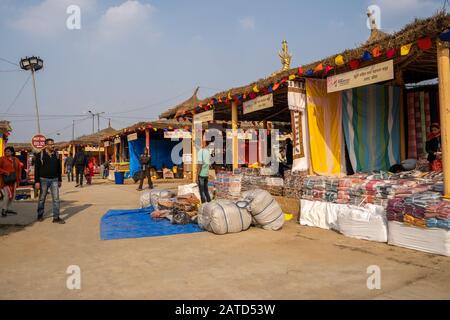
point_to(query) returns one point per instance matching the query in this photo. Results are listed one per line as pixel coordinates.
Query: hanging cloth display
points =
(325, 130)
(297, 105)
(371, 121)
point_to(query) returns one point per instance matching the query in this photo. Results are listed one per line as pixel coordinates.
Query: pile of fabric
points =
(293, 182)
(228, 185)
(438, 215)
(182, 209)
(260, 178)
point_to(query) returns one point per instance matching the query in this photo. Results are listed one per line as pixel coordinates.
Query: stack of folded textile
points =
(438, 216)
(293, 183)
(395, 209)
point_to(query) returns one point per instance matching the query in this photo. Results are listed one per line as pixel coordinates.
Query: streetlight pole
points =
(33, 64)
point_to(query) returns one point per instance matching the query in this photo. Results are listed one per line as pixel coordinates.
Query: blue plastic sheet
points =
(136, 148)
(137, 223)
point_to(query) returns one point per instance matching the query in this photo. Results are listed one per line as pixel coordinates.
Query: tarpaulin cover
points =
(325, 129)
(160, 150)
(371, 120)
(137, 223)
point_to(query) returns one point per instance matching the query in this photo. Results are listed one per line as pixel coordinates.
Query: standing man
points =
(47, 175)
(203, 162)
(80, 163)
(68, 166)
(146, 162)
(289, 152)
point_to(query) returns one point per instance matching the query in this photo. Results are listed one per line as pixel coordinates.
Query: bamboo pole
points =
(443, 58)
(400, 82)
(234, 127)
(194, 153)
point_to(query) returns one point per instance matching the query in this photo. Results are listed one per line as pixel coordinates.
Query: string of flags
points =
(321, 69)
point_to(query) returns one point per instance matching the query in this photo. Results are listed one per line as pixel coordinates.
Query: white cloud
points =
(248, 23)
(394, 7)
(49, 17)
(131, 17)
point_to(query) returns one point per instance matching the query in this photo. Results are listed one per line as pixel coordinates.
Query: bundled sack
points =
(264, 208)
(223, 216)
(367, 223)
(151, 198)
(319, 214)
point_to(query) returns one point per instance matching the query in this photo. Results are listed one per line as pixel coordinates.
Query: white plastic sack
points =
(150, 198)
(367, 223)
(319, 214)
(188, 189)
(431, 240)
(223, 216)
(265, 209)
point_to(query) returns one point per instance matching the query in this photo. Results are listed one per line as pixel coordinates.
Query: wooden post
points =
(194, 153)
(147, 139)
(234, 127)
(115, 152)
(443, 58)
(106, 152)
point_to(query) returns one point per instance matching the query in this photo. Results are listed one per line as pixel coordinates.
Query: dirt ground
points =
(294, 263)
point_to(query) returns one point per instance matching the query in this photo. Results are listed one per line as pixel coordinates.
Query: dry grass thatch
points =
(431, 27)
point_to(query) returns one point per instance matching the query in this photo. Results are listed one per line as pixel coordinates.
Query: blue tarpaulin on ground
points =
(137, 223)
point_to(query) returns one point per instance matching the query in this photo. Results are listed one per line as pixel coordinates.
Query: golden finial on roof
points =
(285, 57)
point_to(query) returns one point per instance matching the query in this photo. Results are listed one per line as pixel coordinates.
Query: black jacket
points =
(80, 160)
(47, 166)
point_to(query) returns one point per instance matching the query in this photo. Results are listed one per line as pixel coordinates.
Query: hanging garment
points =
(299, 124)
(371, 121)
(325, 131)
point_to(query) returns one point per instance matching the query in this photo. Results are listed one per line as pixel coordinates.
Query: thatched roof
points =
(189, 104)
(158, 124)
(92, 139)
(5, 126)
(417, 66)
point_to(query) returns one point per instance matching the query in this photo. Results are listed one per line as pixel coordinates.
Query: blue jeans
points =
(51, 184)
(203, 186)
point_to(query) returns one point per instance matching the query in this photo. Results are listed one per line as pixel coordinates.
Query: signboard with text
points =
(362, 77)
(177, 135)
(259, 103)
(38, 141)
(204, 116)
(132, 137)
(116, 140)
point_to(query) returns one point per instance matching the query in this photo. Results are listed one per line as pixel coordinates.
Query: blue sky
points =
(151, 54)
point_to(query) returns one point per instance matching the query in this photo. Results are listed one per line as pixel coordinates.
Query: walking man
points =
(68, 165)
(80, 163)
(203, 162)
(48, 176)
(146, 162)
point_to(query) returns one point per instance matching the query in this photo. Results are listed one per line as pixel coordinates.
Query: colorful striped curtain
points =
(371, 121)
(325, 130)
(422, 111)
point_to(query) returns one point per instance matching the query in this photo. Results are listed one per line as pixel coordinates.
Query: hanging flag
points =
(445, 36)
(404, 51)
(252, 95)
(310, 72)
(300, 71)
(284, 80)
(319, 68)
(339, 60)
(376, 52)
(270, 89)
(366, 56)
(292, 77)
(390, 53)
(220, 100)
(229, 96)
(328, 69)
(255, 88)
(245, 95)
(354, 64)
(275, 86)
(424, 43)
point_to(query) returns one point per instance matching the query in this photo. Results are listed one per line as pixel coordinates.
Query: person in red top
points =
(10, 169)
(90, 171)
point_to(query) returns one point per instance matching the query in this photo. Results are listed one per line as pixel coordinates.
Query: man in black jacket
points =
(80, 163)
(47, 176)
(146, 161)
